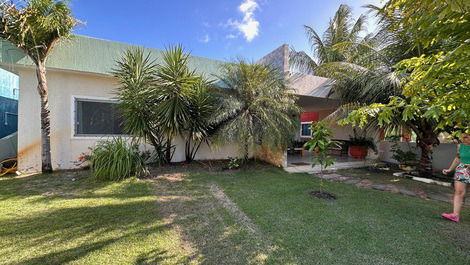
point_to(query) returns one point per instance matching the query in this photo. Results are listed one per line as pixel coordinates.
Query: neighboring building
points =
(83, 111)
(9, 84)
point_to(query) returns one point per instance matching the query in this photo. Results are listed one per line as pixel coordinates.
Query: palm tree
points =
(364, 74)
(159, 102)
(36, 28)
(175, 82)
(200, 126)
(342, 28)
(259, 109)
(136, 94)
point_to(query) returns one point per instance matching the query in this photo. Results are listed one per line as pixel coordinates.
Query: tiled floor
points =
(303, 164)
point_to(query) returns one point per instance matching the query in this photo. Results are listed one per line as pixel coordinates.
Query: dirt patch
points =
(233, 209)
(322, 195)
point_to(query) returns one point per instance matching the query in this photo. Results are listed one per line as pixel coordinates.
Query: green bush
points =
(116, 160)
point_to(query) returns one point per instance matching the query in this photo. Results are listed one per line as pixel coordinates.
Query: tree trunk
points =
(46, 163)
(426, 144)
(245, 151)
(168, 150)
(425, 162)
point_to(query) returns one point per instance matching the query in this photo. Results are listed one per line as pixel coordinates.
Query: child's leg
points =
(459, 196)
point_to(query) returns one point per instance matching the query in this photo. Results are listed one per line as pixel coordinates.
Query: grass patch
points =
(175, 218)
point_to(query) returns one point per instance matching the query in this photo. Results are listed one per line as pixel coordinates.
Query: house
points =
(83, 108)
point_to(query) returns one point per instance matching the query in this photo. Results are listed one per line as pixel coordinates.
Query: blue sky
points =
(219, 29)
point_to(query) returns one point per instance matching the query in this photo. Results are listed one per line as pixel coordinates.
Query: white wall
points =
(65, 147)
(443, 154)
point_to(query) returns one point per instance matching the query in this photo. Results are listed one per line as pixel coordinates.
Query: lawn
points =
(259, 215)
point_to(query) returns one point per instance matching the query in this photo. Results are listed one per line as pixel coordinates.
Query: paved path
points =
(336, 166)
(368, 184)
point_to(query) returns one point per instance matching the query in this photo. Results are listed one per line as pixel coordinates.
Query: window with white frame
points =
(305, 130)
(97, 117)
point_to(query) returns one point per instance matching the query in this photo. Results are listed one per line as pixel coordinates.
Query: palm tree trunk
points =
(245, 150)
(168, 150)
(46, 162)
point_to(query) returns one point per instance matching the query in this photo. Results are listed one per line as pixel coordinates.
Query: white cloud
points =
(249, 26)
(205, 39)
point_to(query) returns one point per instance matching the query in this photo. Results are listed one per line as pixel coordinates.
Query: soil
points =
(323, 195)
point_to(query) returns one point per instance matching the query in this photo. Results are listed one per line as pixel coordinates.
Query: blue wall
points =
(8, 116)
(9, 84)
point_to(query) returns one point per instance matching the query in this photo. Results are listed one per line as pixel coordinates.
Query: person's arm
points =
(454, 164)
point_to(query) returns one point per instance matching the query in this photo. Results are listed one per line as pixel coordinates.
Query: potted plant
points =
(359, 145)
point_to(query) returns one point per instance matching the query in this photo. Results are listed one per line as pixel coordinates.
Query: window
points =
(97, 118)
(305, 129)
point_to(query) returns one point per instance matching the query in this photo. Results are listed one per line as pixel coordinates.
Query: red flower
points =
(80, 158)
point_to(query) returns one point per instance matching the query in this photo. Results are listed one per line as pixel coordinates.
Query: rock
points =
(331, 176)
(399, 174)
(407, 192)
(392, 189)
(378, 186)
(352, 181)
(364, 184)
(420, 193)
(339, 179)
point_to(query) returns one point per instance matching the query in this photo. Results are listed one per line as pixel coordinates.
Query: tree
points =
(367, 75)
(439, 78)
(321, 143)
(137, 97)
(159, 102)
(36, 28)
(260, 108)
(342, 28)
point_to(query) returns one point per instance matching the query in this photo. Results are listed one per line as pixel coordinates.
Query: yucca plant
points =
(116, 160)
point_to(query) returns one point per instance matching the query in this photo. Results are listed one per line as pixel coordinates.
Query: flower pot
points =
(358, 151)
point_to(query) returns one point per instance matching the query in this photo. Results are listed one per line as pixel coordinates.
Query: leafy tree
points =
(440, 78)
(260, 108)
(36, 27)
(321, 143)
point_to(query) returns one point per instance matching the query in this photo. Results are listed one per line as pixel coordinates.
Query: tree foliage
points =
(259, 108)
(162, 101)
(440, 78)
(36, 27)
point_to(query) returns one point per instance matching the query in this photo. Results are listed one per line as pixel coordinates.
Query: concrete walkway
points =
(368, 184)
(336, 166)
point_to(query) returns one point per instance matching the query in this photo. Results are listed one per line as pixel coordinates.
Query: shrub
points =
(116, 160)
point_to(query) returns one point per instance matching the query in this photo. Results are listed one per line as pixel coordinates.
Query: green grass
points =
(175, 219)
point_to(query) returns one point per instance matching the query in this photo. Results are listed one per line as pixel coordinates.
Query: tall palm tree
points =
(259, 108)
(36, 28)
(364, 73)
(342, 28)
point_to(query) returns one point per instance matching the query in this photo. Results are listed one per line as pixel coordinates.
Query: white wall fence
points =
(443, 154)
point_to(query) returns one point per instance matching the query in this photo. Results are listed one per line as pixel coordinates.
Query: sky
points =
(218, 29)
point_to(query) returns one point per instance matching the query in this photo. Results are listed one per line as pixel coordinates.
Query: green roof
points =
(93, 55)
